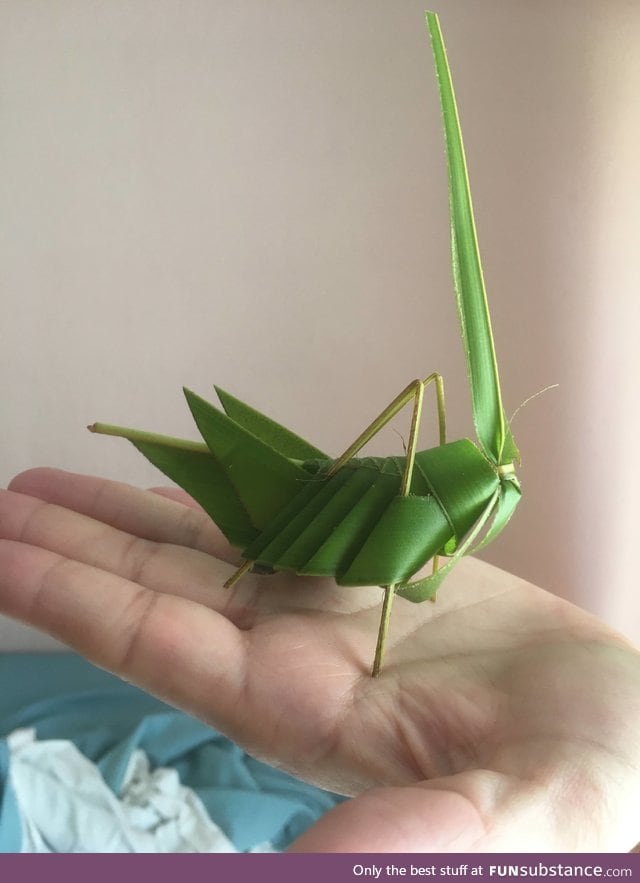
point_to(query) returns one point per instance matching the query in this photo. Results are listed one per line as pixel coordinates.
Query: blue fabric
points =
(62, 696)
(9, 816)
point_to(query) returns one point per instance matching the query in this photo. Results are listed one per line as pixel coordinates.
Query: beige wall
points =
(252, 193)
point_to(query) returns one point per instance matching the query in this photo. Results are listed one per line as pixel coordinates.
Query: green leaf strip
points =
(201, 476)
(422, 589)
(271, 433)
(265, 480)
(490, 422)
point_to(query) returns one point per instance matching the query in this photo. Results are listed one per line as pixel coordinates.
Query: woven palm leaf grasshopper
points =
(362, 520)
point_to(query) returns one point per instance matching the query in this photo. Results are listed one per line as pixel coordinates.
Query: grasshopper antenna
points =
(530, 399)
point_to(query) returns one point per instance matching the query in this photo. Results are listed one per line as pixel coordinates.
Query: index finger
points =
(179, 650)
(153, 516)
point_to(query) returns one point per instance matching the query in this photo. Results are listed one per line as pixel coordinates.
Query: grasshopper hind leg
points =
(383, 629)
(415, 391)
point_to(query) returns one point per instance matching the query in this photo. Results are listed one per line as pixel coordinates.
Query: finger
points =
(176, 494)
(244, 683)
(160, 567)
(406, 819)
(178, 650)
(149, 515)
(473, 811)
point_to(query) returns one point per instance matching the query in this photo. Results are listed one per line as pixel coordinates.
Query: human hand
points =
(505, 719)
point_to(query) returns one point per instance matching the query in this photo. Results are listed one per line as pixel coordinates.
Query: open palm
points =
(504, 718)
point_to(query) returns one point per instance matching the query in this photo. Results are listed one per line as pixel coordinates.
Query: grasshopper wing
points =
(264, 480)
(267, 430)
(202, 477)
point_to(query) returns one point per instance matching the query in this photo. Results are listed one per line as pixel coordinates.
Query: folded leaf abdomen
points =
(355, 526)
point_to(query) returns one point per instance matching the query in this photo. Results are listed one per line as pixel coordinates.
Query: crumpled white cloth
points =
(66, 806)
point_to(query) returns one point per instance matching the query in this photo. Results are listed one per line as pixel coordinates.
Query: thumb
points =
(417, 818)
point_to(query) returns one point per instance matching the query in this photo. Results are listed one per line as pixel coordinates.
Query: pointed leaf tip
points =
(491, 426)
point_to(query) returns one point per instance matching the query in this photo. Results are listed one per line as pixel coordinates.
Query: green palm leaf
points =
(491, 425)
